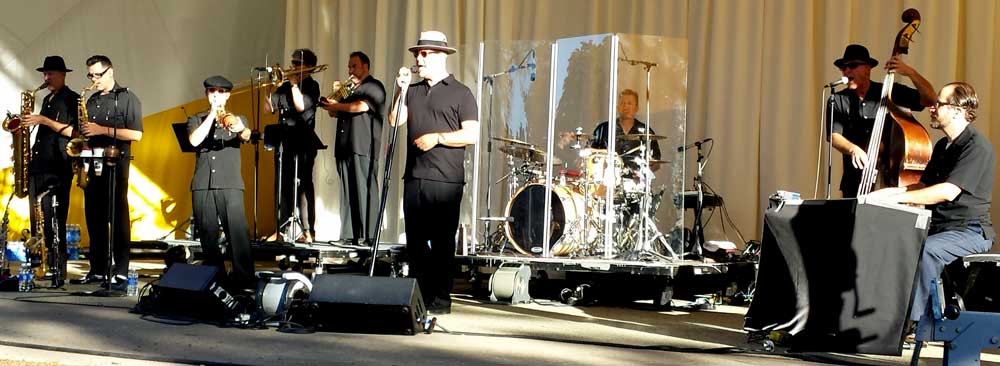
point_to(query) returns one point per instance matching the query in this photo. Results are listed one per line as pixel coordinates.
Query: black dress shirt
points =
(967, 163)
(218, 157)
(119, 108)
(49, 160)
(361, 133)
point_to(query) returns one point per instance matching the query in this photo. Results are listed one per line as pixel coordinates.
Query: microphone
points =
(262, 68)
(841, 81)
(531, 65)
(695, 144)
(414, 69)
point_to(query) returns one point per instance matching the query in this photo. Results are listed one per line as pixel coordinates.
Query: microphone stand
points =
(385, 181)
(829, 140)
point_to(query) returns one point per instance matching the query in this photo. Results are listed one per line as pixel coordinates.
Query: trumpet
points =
(278, 76)
(224, 118)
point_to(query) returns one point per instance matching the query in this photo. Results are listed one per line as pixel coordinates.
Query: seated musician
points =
(628, 105)
(854, 108)
(956, 187)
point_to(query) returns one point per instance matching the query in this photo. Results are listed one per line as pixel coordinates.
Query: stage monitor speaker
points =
(191, 291)
(361, 304)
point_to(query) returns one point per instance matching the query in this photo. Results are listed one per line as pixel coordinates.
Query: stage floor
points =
(52, 326)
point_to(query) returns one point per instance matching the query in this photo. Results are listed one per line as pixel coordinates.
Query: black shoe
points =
(57, 283)
(118, 283)
(88, 279)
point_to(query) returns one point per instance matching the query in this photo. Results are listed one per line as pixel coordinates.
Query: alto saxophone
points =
(22, 140)
(80, 142)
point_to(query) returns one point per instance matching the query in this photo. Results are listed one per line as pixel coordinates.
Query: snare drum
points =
(527, 210)
(598, 169)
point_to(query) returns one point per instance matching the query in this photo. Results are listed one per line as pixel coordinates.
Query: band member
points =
(443, 119)
(115, 115)
(217, 186)
(296, 102)
(50, 169)
(854, 108)
(359, 131)
(956, 186)
(628, 105)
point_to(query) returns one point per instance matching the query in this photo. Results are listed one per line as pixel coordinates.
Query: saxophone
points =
(79, 143)
(22, 140)
(35, 245)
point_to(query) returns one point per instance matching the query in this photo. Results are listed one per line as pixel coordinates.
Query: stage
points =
(49, 326)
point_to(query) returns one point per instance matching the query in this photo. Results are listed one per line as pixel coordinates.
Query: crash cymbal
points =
(640, 137)
(528, 152)
(512, 141)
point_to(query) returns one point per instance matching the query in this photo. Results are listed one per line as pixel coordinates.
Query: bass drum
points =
(527, 210)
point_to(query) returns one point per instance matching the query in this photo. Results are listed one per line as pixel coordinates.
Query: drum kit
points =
(579, 202)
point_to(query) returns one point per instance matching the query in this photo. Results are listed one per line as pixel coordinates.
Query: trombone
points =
(278, 76)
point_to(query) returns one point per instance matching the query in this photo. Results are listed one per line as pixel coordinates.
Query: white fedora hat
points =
(433, 40)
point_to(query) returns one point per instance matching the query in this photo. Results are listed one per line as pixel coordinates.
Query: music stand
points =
(276, 137)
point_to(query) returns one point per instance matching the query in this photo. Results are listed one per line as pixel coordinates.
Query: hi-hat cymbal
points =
(512, 141)
(528, 152)
(640, 137)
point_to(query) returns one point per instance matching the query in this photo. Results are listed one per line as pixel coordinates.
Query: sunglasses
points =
(852, 65)
(424, 53)
(98, 75)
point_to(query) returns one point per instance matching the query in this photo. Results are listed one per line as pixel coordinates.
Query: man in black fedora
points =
(854, 108)
(443, 118)
(50, 173)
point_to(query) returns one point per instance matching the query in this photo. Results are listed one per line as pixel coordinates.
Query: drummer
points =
(628, 149)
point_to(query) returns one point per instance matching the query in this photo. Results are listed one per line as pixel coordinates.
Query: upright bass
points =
(909, 146)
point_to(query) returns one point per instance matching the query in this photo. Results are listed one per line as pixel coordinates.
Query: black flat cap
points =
(218, 82)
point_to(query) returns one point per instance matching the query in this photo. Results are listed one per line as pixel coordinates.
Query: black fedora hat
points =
(855, 52)
(53, 63)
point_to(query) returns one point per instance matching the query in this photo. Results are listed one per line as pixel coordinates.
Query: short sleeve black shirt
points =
(217, 165)
(854, 118)
(49, 159)
(283, 104)
(438, 108)
(120, 108)
(622, 146)
(967, 163)
(360, 133)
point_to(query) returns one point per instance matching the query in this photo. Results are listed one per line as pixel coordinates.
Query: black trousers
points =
(211, 206)
(432, 211)
(98, 203)
(359, 196)
(306, 199)
(58, 192)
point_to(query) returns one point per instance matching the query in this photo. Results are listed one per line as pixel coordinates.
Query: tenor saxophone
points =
(21, 136)
(80, 142)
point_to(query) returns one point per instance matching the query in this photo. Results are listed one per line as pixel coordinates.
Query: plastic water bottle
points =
(22, 277)
(72, 242)
(133, 282)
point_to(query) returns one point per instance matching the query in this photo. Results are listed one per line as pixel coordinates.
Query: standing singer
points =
(855, 108)
(443, 118)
